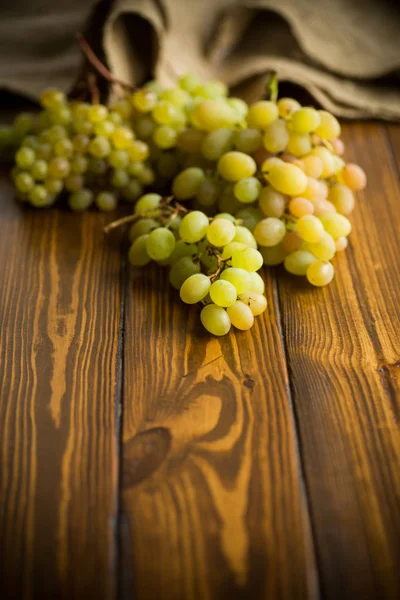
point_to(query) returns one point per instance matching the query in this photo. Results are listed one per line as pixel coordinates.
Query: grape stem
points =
(221, 266)
(94, 90)
(169, 212)
(272, 87)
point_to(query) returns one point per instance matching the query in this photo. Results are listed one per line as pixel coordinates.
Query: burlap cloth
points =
(346, 53)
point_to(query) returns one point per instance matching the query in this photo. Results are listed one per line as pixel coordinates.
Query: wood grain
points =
(60, 308)
(343, 347)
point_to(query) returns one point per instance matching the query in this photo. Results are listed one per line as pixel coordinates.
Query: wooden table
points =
(141, 459)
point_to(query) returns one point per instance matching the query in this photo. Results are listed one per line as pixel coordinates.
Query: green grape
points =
(214, 114)
(174, 223)
(234, 166)
(24, 123)
(104, 128)
(329, 127)
(287, 179)
(124, 108)
(241, 316)
(175, 96)
(154, 86)
(274, 255)
(276, 136)
(138, 151)
(120, 178)
(58, 168)
(183, 249)
(39, 170)
(64, 148)
(223, 293)
(270, 232)
(245, 236)
(181, 270)
(248, 140)
(80, 200)
(353, 176)
(305, 120)
(342, 198)
(132, 191)
(208, 260)
(52, 98)
(135, 168)
(189, 82)
(30, 141)
(165, 137)
(220, 232)
(190, 140)
(249, 259)
(299, 144)
(217, 142)
(56, 133)
(211, 89)
(24, 182)
(187, 183)
(74, 183)
(208, 192)
(122, 138)
(247, 190)
(239, 106)
(25, 157)
(215, 319)
(82, 126)
(39, 196)
(99, 147)
(287, 106)
(256, 283)
(138, 256)
(195, 288)
(79, 164)
(320, 273)
(97, 166)
(146, 176)
(144, 100)
(115, 118)
(44, 151)
(193, 226)
(225, 216)
(327, 158)
(61, 115)
(160, 243)
(145, 127)
(300, 207)
(298, 262)
(149, 204)
(118, 159)
(106, 201)
(141, 227)
(97, 113)
(249, 217)
(164, 113)
(271, 202)
(79, 110)
(336, 225)
(230, 248)
(310, 229)
(261, 114)
(238, 278)
(255, 301)
(325, 249)
(53, 186)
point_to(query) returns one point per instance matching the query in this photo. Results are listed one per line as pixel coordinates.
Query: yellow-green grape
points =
(225, 216)
(249, 217)
(138, 256)
(256, 302)
(234, 166)
(39, 196)
(39, 170)
(145, 127)
(189, 82)
(132, 191)
(79, 110)
(24, 182)
(138, 151)
(320, 273)
(142, 227)
(187, 183)
(270, 162)
(329, 127)
(148, 205)
(269, 232)
(244, 236)
(146, 176)
(105, 128)
(273, 256)
(124, 108)
(249, 259)
(118, 159)
(220, 232)
(323, 207)
(64, 148)
(211, 89)
(79, 164)
(299, 144)
(144, 100)
(325, 249)
(80, 200)
(97, 113)
(230, 248)
(106, 201)
(313, 166)
(58, 168)
(164, 113)
(44, 151)
(53, 186)
(195, 288)
(190, 140)
(56, 133)
(25, 157)
(341, 244)
(336, 225)
(160, 243)
(354, 177)
(299, 207)
(154, 86)
(287, 106)
(119, 178)
(74, 182)
(337, 146)
(82, 126)
(208, 192)
(99, 147)
(183, 249)
(298, 262)
(135, 168)
(182, 269)
(80, 142)
(247, 190)
(217, 142)
(241, 315)
(292, 242)
(215, 319)
(122, 138)
(238, 278)
(239, 106)
(193, 226)
(223, 293)
(327, 161)
(165, 137)
(261, 114)
(24, 123)
(310, 229)
(276, 136)
(256, 283)
(61, 115)
(97, 166)
(271, 202)
(175, 96)
(287, 179)
(30, 141)
(342, 198)
(305, 120)
(248, 140)
(52, 98)
(214, 114)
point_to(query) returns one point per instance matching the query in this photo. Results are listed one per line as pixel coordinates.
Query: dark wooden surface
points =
(141, 459)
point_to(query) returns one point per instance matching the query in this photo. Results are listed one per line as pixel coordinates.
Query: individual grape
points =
(305, 120)
(354, 177)
(123, 108)
(323, 207)
(106, 201)
(53, 186)
(74, 182)
(104, 128)
(271, 202)
(24, 182)
(299, 144)
(238, 278)
(97, 113)
(298, 262)
(118, 159)
(239, 106)
(299, 207)
(193, 226)
(146, 176)
(320, 273)
(154, 86)
(165, 137)
(97, 166)
(25, 157)
(181, 270)
(44, 151)
(79, 110)
(164, 113)
(99, 147)
(55, 134)
(145, 127)
(336, 225)
(121, 138)
(138, 256)
(195, 288)
(214, 114)
(247, 190)
(175, 96)
(39, 170)
(211, 89)
(325, 249)
(58, 168)
(132, 191)
(223, 293)
(135, 168)
(148, 205)
(64, 148)
(273, 256)
(248, 140)
(256, 283)
(189, 82)
(255, 301)
(142, 227)
(208, 192)
(79, 164)
(240, 315)
(230, 248)
(341, 244)
(329, 127)
(249, 217)
(220, 232)
(183, 249)
(120, 178)
(327, 161)
(269, 232)
(342, 198)
(187, 183)
(291, 242)
(313, 166)
(249, 259)
(29, 141)
(215, 319)
(52, 98)
(216, 143)
(225, 216)
(80, 142)
(261, 114)
(82, 127)
(310, 229)
(287, 106)
(144, 100)
(244, 236)
(160, 243)
(287, 179)
(276, 136)
(80, 200)
(234, 166)
(337, 146)
(61, 115)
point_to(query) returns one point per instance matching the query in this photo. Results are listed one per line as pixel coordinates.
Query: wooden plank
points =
(343, 345)
(60, 310)
(213, 499)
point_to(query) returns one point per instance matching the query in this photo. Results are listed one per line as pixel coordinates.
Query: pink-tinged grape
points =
(313, 166)
(80, 200)
(276, 136)
(223, 293)
(52, 98)
(190, 140)
(241, 316)
(25, 157)
(215, 319)
(256, 283)
(314, 190)
(144, 100)
(323, 207)
(310, 229)
(24, 182)
(342, 198)
(234, 166)
(305, 120)
(217, 142)
(122, 137)
(53, 186)
(249, 217)
(208, 192)
(271, 202)
(299, 207)
(329, 127)
(320, 273)
(141, 227)
(58, 168)
(220, 232)
(298, 262)
(336, 225)
(238, 278)
(341, 244)
(193, 226)
(249, 259)
(287, 179)
(186, 184)
(195, 288)
(160, 243)
(328, 161)
(230, 248)
(244, 236)
(106, 201)
(290, 158)
(248, 140)
(291, 242)
(39, 170)
(97, 113)
(354, 177)
(325, 249)
(337, 146)
(269, 232)
(256, 302)
(182, 269)
(74, 182)
(287, 106)
(138, 256)
(214, 114)
(299, 144)
(247, 190)
(148, 205)
(273, 256)
(165, 137)
(261, 114)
